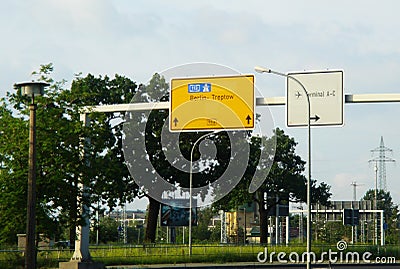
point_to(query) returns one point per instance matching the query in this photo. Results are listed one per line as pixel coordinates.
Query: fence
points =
(170, 254)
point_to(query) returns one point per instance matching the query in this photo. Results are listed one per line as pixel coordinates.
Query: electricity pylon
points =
(380, 163)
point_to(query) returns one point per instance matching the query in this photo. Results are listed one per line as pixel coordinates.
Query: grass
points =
(174, 254)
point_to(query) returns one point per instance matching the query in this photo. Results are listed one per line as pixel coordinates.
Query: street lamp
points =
(265, 70)
(31, 89)
(190, 187)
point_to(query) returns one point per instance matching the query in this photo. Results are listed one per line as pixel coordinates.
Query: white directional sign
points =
(325, 91)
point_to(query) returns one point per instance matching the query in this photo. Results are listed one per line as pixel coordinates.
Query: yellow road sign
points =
(212, 103)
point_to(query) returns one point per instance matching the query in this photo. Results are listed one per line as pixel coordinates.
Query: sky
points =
(139, 38)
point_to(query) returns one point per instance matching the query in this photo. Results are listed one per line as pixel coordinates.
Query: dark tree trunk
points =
(73, 221)
(151, 222)
(72, 237)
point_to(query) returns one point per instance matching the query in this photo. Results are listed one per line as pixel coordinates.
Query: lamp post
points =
(190, 187)
(265, 70)
(31, 89)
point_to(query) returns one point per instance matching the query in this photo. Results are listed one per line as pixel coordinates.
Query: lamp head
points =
(30, 88)
(260, 69)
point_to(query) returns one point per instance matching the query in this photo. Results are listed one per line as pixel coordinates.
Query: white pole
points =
(276, 221)
(81, 252)
(382, 230)
(376, 206)
(264, 70)
(190, 200)
(190, 188)
(287, 230)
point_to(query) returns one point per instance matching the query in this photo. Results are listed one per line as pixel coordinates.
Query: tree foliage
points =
(284, 182)
(385, 202)
(62, 167)
(60, 164)
(150, 126)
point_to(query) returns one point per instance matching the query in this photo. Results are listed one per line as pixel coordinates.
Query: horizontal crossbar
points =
(260, 101)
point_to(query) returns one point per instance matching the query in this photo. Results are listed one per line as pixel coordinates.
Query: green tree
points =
(334, 231)
(201, 232)
(384, 202)
(13, 174)
(108, 231)
(108, 180)
(215, 236)
(284, 182)
(390, 212)
(60, 168)
(14, 159)
(149, 127)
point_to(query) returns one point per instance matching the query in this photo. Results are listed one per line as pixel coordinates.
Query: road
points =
(257, 265)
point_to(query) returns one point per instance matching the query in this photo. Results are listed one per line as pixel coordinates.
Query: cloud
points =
(138, 38)
(343, 189)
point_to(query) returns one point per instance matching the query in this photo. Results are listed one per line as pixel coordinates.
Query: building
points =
(242, 224)
(129, 217)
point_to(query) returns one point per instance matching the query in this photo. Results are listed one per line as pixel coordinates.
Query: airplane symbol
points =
(298, 94)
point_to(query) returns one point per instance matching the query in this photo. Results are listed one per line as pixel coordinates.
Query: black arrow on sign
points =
(175, 121)
(315, 118)
(248, 118)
